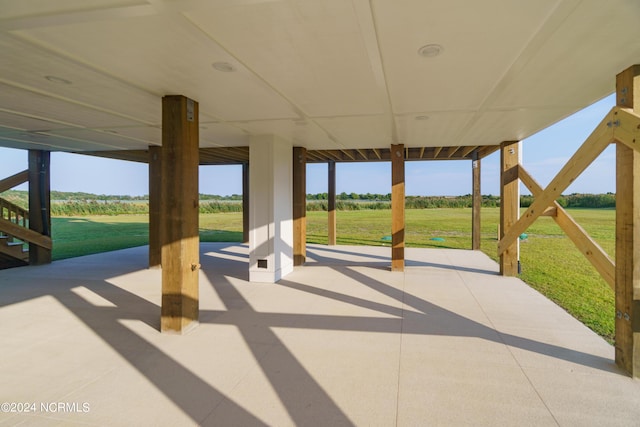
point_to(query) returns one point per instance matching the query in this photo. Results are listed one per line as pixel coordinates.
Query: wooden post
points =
(397, 207)
(245, 202)
(299, 205)
(331, 203)
(476, 202)
(509, 204)
(155, 191)
(627, 282)
(39, 203)
(179, 214)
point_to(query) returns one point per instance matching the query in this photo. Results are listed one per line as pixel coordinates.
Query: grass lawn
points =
(550, 262)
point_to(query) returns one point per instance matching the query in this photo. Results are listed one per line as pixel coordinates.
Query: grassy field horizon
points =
(550, 262)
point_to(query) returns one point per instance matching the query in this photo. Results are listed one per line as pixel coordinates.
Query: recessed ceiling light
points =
(225, 67)
(60, 80)
(430, 50)
(421, 117)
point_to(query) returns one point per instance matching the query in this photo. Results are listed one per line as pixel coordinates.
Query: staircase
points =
(14, 251)
(15, 235)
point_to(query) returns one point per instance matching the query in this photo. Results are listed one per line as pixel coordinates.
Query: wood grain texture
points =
(179, 213)
(299, 205)
(509, 204)
(397, 207)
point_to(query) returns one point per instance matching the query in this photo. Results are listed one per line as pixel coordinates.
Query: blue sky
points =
(544, 154)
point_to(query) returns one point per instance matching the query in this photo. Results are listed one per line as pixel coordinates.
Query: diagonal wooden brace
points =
(585, 244)
(595, 144)
(627, 128)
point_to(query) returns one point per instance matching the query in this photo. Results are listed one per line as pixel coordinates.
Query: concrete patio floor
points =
(340, 341)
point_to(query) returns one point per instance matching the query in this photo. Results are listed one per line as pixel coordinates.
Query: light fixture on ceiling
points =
(421, 117)
(225, 67)
(59, 80)
(430, 50)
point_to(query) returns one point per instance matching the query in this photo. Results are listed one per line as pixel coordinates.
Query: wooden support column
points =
(155, 191)
(245, 202)
(627, 283)
(509, 204)
(397, 207)
(179, 214)
(476, 202)
(39, 203)
(331, 203)
(299, 205)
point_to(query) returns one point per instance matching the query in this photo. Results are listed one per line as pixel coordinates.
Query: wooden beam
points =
(155, 210)
(32, 237)
(626, 128)
(39, 204)
(331, 204)
(469, 150)
(627, 286)
(422, 152)
(397, 207)
(599, 139)
(363, 154)
(476, 203)
(348, 154)
(377, 153)
(509, 204)
(299, 205)
(452, 151)
(245, 202)
(14, 180)
(600, 260)
(179, 213)
(436, 151)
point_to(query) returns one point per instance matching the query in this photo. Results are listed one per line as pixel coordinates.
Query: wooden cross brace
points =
(619, 125)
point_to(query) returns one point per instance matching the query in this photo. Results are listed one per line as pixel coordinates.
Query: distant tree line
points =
(77, 203)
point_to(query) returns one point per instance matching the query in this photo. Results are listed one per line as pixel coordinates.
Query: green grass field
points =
(550, 262)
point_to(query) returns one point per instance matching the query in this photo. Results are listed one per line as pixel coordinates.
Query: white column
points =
(270, 208)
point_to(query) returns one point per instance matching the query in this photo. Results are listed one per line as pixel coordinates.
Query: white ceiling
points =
(325, 74)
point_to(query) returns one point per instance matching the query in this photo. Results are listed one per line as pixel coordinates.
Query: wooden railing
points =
(14, 213)
(14, 223)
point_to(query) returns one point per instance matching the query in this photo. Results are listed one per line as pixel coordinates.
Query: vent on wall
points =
(262, 263)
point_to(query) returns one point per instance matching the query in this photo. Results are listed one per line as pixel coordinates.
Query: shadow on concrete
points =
(303, 397)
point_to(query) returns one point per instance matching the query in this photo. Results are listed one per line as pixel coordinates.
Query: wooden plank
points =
(509, 204)
(331, 204)
(299, 205)
(600, 260)
(468, 150)
(476, 203)
(363, 154)
(422, 152)
(14, 180)
(397, 207)
(245, 202)
(179, 207)
(377, 153)
(26, 235)
(627, 285)
(155, 194)
(348, 154)
(627, 214)
(452, 151)
(436, 151)
(486, 150)
(39, 204)
(627, 128)
(599, 139)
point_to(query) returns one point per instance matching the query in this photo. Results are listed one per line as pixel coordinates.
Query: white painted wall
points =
(270, 208)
